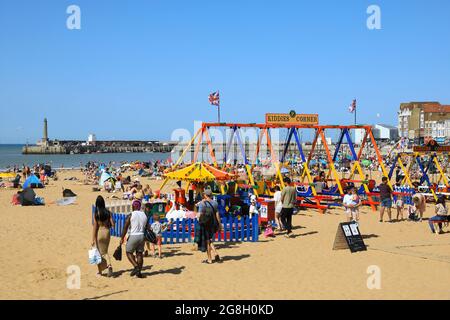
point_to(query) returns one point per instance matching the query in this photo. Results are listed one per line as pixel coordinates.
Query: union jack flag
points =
(214, 98)
(352, 107)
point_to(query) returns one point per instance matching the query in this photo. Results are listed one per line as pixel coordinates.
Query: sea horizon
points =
(11, 155)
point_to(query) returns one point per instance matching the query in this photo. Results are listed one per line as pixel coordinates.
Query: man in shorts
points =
(385, 198)
(135, 225)
(288, 200)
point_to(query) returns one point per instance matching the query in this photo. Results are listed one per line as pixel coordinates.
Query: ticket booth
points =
(159, 208)
(266, 211)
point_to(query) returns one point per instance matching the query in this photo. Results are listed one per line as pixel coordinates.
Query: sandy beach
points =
(38, 244)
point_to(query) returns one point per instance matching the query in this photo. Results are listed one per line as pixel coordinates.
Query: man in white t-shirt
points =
(135, 226)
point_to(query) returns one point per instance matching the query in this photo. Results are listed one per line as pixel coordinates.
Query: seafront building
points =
(421, 121)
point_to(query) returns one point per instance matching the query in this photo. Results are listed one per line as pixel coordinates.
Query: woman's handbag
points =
(118, 253)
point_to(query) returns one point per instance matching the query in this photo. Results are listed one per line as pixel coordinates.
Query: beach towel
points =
(66, 201)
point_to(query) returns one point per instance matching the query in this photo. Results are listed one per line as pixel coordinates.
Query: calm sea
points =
(11, 155)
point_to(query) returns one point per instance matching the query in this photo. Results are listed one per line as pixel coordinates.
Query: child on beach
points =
(352, 202)
(356, 203)
(253, 206)
(412, 213)
(400, 206)
(157, 228)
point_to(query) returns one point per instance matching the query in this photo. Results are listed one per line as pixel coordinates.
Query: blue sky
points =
(139, 69)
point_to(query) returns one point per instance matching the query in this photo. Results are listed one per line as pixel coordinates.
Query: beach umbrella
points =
(366, 162)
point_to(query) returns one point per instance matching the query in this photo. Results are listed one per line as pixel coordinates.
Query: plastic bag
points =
(94, 256)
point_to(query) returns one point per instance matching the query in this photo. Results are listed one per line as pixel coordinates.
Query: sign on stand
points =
(348, 236)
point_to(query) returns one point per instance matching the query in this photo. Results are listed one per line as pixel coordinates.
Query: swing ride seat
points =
(331, 192)
(301, 192)
(361, 190)
(308, 203)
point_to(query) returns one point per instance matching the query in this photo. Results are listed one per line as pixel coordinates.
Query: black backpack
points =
(208, 217)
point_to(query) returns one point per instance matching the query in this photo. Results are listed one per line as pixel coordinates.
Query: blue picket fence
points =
(407, 194)
(235, 229)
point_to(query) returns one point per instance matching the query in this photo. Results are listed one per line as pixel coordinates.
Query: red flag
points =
(214, 98)
(352, 107)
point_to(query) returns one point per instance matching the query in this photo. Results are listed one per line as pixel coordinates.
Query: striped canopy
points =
(199, 172)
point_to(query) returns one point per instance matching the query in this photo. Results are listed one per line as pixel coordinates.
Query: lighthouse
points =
(45, 137)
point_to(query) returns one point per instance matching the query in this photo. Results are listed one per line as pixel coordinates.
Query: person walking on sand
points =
(135, 225)
(103, 222)
(158, 229)
(209, 225)
(385, 198)
(288, 200)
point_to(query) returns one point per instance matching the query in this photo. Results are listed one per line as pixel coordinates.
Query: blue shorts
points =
(386, 203)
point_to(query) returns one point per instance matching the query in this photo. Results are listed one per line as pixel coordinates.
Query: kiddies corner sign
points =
(292, 118)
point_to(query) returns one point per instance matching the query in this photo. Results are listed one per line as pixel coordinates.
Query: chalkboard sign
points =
(349, 237)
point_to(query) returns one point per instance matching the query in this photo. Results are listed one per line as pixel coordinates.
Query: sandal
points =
(217, 259)
(206, 262)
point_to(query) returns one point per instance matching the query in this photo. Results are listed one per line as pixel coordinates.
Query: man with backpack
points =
(209, 225)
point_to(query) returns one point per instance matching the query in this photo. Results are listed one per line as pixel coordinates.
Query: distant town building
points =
(386, 132)
(381, 132)
(421, 121)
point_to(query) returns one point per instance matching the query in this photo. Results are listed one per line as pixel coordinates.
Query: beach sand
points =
(38, 244)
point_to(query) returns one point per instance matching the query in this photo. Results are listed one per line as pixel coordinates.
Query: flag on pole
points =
(214, 98)
(352, 107)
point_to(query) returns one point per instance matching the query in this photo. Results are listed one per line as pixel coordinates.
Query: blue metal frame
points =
(346, 133)
(293, 132)
(391, 171)
(425, 176)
